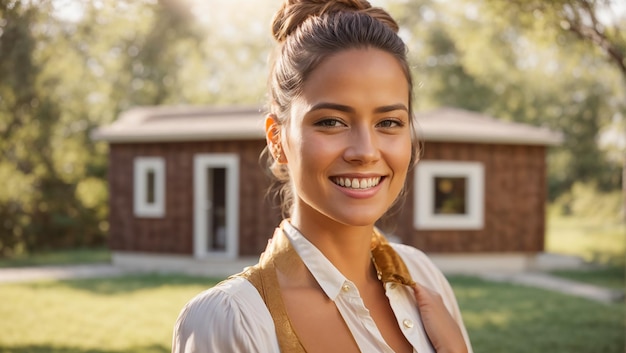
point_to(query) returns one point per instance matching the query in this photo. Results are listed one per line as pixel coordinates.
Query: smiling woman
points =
(350, 123)
(340, 142)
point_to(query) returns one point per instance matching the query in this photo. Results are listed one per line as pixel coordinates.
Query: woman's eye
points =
(390, 123)
(329, 123)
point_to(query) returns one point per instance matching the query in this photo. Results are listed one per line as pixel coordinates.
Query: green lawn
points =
(516, 319)
(59, 257)
(127, 314)
(609, 276)
(598, 241)
(136, 314)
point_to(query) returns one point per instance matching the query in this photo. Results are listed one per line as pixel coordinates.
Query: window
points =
(149, 187)
(449, 195)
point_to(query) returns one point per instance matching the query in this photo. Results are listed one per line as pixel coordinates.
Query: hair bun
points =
(293, 13)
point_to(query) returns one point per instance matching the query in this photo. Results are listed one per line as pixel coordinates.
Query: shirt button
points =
(345, 288)
(407, 323)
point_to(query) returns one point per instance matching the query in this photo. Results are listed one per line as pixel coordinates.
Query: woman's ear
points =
(272, 136)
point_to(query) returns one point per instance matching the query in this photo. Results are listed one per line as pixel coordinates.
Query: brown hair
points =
(307, 32)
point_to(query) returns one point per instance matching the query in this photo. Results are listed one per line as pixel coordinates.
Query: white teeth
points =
(357, 183)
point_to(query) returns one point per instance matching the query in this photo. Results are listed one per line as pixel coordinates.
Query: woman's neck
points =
(346, 247)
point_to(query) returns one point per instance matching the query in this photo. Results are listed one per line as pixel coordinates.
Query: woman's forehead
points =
(356, 78)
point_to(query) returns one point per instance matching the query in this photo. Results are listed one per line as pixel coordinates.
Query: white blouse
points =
(232, 317)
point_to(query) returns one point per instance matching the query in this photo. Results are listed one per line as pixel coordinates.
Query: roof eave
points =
(553, 139)
(120, 137)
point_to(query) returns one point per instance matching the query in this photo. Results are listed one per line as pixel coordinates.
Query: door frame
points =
(201, 162)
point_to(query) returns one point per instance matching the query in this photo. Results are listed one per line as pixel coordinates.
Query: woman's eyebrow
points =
(332, 106)
(390, 108)
(348, 109)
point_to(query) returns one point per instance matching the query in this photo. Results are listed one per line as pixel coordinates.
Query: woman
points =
(341, 141)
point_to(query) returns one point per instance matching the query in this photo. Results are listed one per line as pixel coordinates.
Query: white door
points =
(216, 205)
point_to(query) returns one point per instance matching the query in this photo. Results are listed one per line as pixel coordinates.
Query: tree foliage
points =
(55, 88)
(591, 40)
(583, 18)
(518, 60)
(27, 115)
(63, 76)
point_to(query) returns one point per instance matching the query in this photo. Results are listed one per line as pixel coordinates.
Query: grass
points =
(613, 277)
(598, 241)
(59, 257)
(517, 319)
(126, 314)
(136, 314)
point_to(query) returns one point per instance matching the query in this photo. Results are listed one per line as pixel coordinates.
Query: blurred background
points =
(68, 67)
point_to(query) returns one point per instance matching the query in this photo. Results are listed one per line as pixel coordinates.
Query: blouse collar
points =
(325, 273)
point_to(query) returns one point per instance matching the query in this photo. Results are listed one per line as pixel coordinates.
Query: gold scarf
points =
(281, 255)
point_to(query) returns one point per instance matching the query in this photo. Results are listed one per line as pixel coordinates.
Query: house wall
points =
(515, 194)
(173, 233)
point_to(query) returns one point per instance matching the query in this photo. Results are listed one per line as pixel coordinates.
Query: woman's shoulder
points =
(420, 266)
(233, 291)
(228, 298)
(230, 312)
(411, 253)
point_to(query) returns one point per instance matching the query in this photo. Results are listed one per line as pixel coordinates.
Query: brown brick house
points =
(186, 183)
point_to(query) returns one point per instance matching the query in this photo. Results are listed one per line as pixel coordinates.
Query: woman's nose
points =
(362, 147)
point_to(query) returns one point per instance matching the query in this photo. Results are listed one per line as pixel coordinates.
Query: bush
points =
(586, 201)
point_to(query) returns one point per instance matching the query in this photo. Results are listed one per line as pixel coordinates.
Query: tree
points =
(596, 24)
(62, 77)
(493, 58)
(27, 114)
(580, 17)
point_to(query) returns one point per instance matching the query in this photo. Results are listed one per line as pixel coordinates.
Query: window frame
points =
(141, 168)
(424, 195)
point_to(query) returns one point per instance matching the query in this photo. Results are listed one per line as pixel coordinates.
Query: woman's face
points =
(347, 142)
